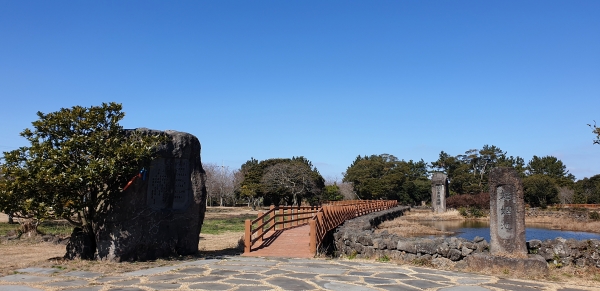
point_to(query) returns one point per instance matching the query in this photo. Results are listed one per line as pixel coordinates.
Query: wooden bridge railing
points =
(277, 218)
(321, 219)
(334, 213)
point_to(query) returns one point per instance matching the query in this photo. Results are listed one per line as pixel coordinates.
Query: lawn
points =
(54, 227)
(226, 224)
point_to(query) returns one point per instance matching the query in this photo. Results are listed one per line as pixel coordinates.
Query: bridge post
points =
(282, 217)
(261, 224)
(294, 223)
(313, 236)
(247, 236)
(272, 215)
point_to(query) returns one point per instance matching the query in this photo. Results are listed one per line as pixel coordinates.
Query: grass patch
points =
(383, 259)
(54, 227)
(6, 228)
(62, 228)
(352, 255)
(422, 262)
(222, 225)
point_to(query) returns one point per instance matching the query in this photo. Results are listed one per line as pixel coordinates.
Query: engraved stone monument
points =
(508, 249)
(161, 213)
(507, 213)
(439, 192)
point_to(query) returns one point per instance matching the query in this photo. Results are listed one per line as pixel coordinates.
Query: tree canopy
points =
(468, 172)
(281, 181)
(78, 161)
(540, 190)
(551, 167)
(385, 177)
(587, 190)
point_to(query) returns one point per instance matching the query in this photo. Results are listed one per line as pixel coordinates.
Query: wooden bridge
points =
(297, 231)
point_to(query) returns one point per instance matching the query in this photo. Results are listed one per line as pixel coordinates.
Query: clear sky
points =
(328, 80)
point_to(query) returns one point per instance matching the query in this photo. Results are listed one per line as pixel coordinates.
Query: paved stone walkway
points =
(249, 273)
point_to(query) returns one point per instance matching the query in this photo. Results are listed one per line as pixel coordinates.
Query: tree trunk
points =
(28, 228)
(82, 245)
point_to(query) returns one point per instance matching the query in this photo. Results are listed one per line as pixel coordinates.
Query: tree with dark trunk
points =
(78, 162)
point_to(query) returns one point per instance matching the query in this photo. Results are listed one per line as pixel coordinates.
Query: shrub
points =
(463, 211)
(383, 259)
(479, 201)
(594, 215)
(476, 212)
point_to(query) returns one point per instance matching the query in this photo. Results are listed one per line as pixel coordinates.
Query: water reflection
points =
(470, 229)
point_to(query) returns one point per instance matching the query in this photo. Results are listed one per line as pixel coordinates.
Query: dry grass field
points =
(564, 223)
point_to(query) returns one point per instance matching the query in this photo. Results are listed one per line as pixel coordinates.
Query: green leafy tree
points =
(587, 190)
(551, 167)
(540, 191)
(468, 172)
(281, 180)
(332, 193)
(385, 177)
(78, 161)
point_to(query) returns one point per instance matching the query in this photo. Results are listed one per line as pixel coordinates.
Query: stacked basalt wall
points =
(357, 238)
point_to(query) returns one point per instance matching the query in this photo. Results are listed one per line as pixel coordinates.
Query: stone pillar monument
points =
(439, 191)
(508, 249)
(507, 213)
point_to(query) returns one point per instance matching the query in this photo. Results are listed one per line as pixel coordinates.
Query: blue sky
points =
(328, 80)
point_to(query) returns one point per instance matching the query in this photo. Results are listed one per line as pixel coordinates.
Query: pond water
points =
(470, 229)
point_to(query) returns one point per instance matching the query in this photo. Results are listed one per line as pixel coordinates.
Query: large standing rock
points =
(162, 214)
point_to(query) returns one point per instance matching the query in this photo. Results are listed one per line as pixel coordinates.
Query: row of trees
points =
(546, 180)
(221, 184)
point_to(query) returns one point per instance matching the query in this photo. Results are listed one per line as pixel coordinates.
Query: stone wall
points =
(580, 215)
(357, 238)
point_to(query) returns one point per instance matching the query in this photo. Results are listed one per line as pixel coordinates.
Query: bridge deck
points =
(290, 243)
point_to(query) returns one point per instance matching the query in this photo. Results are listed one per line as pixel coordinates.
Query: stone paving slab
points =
(45, 271)
(23, 278)
(68, 283)
(83, 274)
(17, 288)
(465, 288)
(336, 286)
(94, 288)
(397, 287)
(151, 271)
(242, 273)
(163, 286)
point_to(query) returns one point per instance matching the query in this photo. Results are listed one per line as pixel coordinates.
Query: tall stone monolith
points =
(508, 250)
(439, 192)
(161, 213)
(507, 213)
